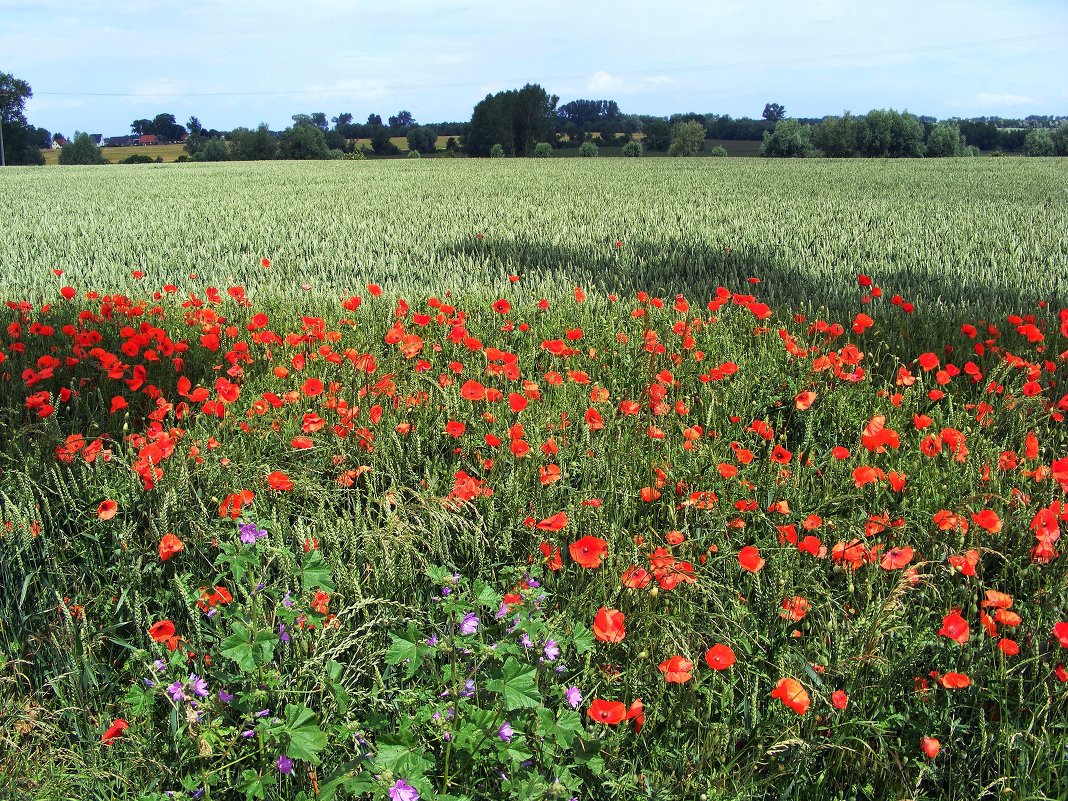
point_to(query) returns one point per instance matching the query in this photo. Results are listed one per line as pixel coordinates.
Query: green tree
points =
(497, 151)
(422, 139)
(945, 140)
(214, 150)
(719, 151)
(657, 135)
(891, 134)
(1039, 142)
(587, 150)
(837, 137)
(381, 144)
(790, 139)
(773, 112)
(516, 120)
(82, 150)
(21, 141)
(1060, 139)
(633, 149)
(543, 150)
(258, 145)
(302, 142)
(687, 139)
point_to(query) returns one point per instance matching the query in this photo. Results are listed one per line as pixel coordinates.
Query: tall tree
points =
(401, 121)
(21, 141)
(773, 112)
(516, 120)
(258, 145)
(837, 136)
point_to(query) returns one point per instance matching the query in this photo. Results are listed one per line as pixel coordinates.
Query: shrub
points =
(82, 150)
(355, 155)
(214, 150)
(687, 139)
(1038, 142)
(587, 150)
(719, 151)
(791, 139)
(633, 149)
(139, 158)
(497, 151)
(543, 150)
(414, 154)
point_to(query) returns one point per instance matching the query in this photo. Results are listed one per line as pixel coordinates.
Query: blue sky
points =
(96, 66)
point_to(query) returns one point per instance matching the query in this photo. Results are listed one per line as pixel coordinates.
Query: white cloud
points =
(987, 99)
(602, 82)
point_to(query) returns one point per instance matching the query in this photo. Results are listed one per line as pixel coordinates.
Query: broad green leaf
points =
(516, 685)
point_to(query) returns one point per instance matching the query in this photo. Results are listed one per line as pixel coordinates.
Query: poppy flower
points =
(804, 400)
(114, 731)
(749, 558)
(608, 625)
(1008, 647)
(955, 627)
(793, 695)
(987, 519)
(277, 480)
(1060, 631)
(607, 712)
(677, 669)
(169, 546)
(589, 551)
(161, 630)
(897, 558)
(554, 522)
(636, 712)
(455, 429)
(839, 699)
(930, 747)
(232, 504)
(107, 510)
(955, 681)
(719, 657)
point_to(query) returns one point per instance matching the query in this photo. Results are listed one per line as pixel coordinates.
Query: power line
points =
(764, 62)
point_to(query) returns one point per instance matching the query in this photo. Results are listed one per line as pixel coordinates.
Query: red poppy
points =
(607, 712)
(455, 429)
(804, 400)
(839, 699)
(719, 657)
(987, 519)
(749, 558)
(312, 387)
(277, 480)
(955, 681)
(955, 627)
(554, 522)
(589, 551)
(232, 504)
(107, 510)
(897, 558)
(608, 625)
(114, 731)
(930, 747)
(636, 712)
(1060, 631)
(677, 669)
(161, 630)
(169, 546)
(793, 695)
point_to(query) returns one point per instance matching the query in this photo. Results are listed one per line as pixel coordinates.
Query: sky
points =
(97, 66)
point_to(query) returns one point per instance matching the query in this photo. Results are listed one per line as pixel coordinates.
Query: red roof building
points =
(148, 139)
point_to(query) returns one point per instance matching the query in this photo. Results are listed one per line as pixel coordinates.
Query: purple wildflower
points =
(225, 697)
(402, 791)
(469, 625)
(573, 696)
(175, 692)
(284, 764)
(551, 650)
(283, 635)
(505, 732)
(199, 685)
(525, 641)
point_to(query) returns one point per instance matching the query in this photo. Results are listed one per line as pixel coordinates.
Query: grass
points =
(116, 154)
(430, 421)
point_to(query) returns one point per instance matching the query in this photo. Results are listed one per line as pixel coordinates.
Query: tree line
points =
(528, 121)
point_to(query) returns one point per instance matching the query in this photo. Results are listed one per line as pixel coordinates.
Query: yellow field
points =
(115, 154)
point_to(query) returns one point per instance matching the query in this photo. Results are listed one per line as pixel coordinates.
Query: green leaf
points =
(582, 636)
(139, 700)
(516, 685)
(487, 596)
(249, 653)
(306, 739)
(404, 648)
(401, 758)
(316, 572)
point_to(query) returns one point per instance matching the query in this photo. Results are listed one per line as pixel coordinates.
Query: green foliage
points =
(213, 150)
(1039, 142)
(302, 142)
(497, 151)
(891, 134)
(790, 139)
(381, 143)
(1060, 139)
(656, 134)
(587, 150)
(838, 137)
(422, 139)
(137, 158)
(633, 150)
(719, 151)
(82, 150)
(516, 120)
(945, 140)
(355, 155)
(414, 154)
(687, 139)
(543, 150)
(257, 145)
